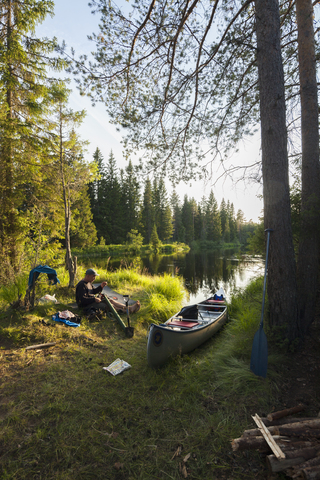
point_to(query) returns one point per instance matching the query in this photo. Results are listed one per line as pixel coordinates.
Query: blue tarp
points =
(56, 318)
(35, 272)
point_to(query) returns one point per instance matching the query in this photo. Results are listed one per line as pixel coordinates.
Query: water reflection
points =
(203, 272)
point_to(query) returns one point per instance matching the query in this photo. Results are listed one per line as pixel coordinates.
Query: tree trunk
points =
(8, 215)
(282, 287)
(308, 261)
(71, 265)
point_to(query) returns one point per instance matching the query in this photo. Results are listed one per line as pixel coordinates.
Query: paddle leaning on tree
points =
(91, 299)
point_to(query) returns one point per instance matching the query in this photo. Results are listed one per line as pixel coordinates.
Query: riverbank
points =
(63, 416)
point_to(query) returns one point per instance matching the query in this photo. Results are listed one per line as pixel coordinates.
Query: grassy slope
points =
(63, 417)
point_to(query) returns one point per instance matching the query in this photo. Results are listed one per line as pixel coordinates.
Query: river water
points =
(203, 273)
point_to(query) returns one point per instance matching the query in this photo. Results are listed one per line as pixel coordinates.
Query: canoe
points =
(186, 330)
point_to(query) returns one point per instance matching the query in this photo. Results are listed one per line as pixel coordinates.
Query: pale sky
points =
(72, 23)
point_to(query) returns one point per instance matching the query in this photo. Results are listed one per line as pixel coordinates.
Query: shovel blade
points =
(129, 331)
(259, 354)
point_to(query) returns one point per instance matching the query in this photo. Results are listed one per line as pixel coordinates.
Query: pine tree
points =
(187, 219)
(147, 213)
(112, 203)
(154, 240)
(213, 219)
(24, 100)
(97, 193)
(130, 201)
(223, 217)
(163, 215)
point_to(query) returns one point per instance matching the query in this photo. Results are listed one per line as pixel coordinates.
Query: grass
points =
(63, 417)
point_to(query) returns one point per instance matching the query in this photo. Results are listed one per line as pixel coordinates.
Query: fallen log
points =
(285, 413)
(259, 443)
(284, 421)
(42, 345)
(250, 443)
(292, 458)
(313, 423)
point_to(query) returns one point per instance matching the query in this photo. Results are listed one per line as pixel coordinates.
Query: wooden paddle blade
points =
(259, 354)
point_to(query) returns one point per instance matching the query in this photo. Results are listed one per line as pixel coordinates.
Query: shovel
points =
(129, 331)
(259, 353)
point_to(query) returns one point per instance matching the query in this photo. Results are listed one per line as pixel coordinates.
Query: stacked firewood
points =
(292, 445)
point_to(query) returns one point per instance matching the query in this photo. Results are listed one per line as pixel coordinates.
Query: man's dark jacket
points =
(85, 293)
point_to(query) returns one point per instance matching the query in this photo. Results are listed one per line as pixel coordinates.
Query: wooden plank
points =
(268, 437)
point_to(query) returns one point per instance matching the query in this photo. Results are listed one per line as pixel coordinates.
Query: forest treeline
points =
(121, 203)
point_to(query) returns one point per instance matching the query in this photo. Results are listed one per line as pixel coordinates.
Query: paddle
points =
(259, 353)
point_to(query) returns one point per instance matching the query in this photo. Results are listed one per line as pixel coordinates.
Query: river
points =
(203, 273)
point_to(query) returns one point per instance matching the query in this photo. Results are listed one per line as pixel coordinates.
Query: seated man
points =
(92, 305)
(85, 294)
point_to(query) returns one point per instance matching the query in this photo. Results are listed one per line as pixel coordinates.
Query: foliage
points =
(10, 293)
(256, 241)
(135, 241)
(155, 242)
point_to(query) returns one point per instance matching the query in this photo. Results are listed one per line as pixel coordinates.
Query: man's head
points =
(91, 275)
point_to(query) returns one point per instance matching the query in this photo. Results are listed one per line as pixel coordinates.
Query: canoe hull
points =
(165, 342)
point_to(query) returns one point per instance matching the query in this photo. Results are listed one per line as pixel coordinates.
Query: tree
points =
(240, 220)
(162, 211)
(147, 216)
(308, 262)
(187, 218)
(97, 191)
(72, 173)
(24, 99)
(213, 221)
(178, 228)
(130, 200)
(282, 286)
(112, 221)
(154, 240)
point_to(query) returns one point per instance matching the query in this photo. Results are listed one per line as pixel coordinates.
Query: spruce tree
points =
(24, 100)
(130, 201)
(187, 220)
(147, 212)
(178, 228)
(213, 219)
(112, 202)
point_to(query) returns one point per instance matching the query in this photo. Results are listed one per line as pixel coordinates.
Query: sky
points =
(73, 22)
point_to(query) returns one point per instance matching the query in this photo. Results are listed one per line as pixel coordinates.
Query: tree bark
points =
(290, 429)
(308, 260)
(282, 286)
(285, 413)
